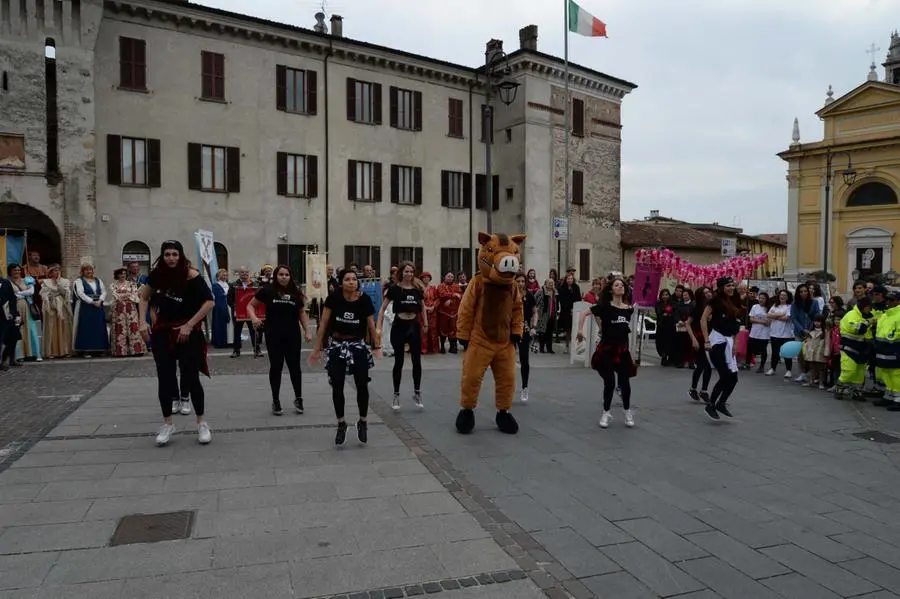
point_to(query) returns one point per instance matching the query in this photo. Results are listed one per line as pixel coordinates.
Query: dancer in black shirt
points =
(406, 295)
(529, 306)
(720, 322)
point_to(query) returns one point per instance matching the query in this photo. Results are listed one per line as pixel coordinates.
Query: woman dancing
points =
(720, 322)
(347, 317)
(406, 295)
(182, 300)
(703, 367)
(531, 314)
(612, 358)
(285, 316)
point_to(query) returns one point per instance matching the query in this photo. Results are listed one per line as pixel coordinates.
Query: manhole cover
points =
(152, 528)
(877, 437)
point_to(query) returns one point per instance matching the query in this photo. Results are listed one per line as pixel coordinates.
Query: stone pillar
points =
(793, 179)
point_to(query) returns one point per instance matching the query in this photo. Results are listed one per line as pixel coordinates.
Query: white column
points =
(66, 27)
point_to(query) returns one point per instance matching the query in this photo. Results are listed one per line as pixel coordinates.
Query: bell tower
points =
(892, 63)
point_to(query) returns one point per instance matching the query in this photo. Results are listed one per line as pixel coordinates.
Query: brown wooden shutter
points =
(351, 180)
(417, 186)
(577, 117)
(395, 183)
(393, 108)
(219, 81)
(312, 92)
(233, 170)
(195, 166)
(376, 181)
(348, 256)
(351, 99)
(283, 253)
(312, 177)
(376, 103)
(375, 252)
(281, 175)
(495, 194)
(395, 256)
(479, 192)
(126, 58)
(206, 67)
(445, 263)
(445, 188)
(467, 262)
(419, 260)
(451, 116)
(467, 190)
(584, 264)
(154, 166)
(114, 159)
(417, 111)
(578, 188)
(280, 88)
(140, 64)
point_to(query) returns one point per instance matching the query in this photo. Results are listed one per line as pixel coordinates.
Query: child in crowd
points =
(816, 350)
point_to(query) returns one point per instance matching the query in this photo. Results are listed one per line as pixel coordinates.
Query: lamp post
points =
(849, 175)
(494, 57)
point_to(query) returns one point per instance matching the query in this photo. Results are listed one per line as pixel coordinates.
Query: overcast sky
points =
(720, 81)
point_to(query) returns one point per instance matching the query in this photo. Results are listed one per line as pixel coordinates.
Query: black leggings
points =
(183, 384)
(776, 352)
(758, 347)
(403, 332)
(169, 359)
(524, 350)
(727, 379)
(337, 371)
(284, 349)
(622, 372)
(704, 369)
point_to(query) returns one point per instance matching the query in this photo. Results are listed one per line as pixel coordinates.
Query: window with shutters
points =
(294, 255)
(133, 161)
(584, 264)
(364, 181)
(363, 101)
(578, 188)
(214, 168)
(295, 90)
(297, 175)
(487, 123)
(455, 260)
(406, 109)
(408, 254)
(406, 185)
(481, 192)
(213, 76)
(132, 64)
(455, 118)
(454, 189)
(577, 117)
(363, 255)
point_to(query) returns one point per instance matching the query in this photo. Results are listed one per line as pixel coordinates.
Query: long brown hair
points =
(398, 276)
(291, 288)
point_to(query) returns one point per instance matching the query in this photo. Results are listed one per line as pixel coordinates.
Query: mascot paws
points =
(465, 421)
(515, 339)
(505, 422)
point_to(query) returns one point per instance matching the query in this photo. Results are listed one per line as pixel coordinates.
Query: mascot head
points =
(498, 258)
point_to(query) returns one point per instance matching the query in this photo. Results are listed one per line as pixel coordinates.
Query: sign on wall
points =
(729, 247)
(560, 228)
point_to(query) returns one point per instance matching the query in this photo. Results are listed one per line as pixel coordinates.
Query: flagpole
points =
(567, 174)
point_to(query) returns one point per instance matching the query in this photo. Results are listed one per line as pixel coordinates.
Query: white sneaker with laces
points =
(802, 378)
(176, 406)
(204, 435)
(770, 372)
(164, 434)
(605, 419)
(395, 404)
(186, 406)
(788, 374)
(524, 396)
(417, 399)
(629, 418)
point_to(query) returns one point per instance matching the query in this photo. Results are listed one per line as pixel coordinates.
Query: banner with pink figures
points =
(672, 265)
(647, 278)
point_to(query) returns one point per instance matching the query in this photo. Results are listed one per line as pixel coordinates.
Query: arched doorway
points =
(137, 251)
(221, 255)
(39, 233)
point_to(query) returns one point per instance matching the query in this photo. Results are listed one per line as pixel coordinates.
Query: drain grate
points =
(877, 437)
(153, 528)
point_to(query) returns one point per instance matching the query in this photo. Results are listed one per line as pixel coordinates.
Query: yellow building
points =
(843, 213)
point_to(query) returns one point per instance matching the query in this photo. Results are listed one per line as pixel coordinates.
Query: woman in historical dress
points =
(24, 287)
(125, 337)
(430, 335)
(90, 322)
(220, 316)
(56, 294)
(449, 296)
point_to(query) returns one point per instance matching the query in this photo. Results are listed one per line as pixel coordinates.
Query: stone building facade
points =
(282, 140)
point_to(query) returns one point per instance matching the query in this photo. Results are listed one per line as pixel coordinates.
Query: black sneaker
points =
(362, 431)
(704, 396)
(276, 408)
(235, 354)
(711, 412)
(694, 395)
(723, 409)
(341, 434)
(298, 405)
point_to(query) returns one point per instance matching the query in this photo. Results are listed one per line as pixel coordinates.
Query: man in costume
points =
(449, 296)
(490, 326)
(887, 353)
(857, 332)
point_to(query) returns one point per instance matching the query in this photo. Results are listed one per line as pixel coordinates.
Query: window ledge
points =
(371, 124)
(364, 201)
(213, 100)
(219, 191)
(137, 90)
(298, 197)
(455, 207)
(134, 185)
(297, 112)
(454, 136)
(410, 129)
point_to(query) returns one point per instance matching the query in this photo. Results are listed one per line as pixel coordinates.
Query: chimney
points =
(528, 37)
(337, 25)
(320, 26)
(492, 50)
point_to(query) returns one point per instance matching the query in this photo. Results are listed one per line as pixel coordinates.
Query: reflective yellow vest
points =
(856, 336)
(887, 339)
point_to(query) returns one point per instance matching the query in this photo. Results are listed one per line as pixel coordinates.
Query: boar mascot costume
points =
(489, 327)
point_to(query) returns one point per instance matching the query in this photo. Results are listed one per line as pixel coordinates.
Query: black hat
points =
(879, 289)
(171, 244)
(724, 281)
(864, 302)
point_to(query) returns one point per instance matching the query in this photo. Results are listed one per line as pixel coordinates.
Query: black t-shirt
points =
(349, 319)
(282, 309)
(615, 323)
(179, 304)
(721, 321)
(404, 300)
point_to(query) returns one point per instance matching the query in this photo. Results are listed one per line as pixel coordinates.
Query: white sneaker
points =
(176, 406)
(605, 419)
(788, 374)
(204, 435)
(524, 397)
(629, 418)
(164, 434)
(770, 372)
(802, 378)
(395, 404)
(417, 399)
(185, 406)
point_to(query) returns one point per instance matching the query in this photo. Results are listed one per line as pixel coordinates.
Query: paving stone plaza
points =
(786, 501)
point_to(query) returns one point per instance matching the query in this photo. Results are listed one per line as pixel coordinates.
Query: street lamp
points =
(494, 59)
(849, 176)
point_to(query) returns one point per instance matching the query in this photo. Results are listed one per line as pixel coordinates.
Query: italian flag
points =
(584, 23)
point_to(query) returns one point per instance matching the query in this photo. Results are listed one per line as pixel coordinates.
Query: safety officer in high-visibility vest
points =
(887, 353)
(879, 307)
(857, 334)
